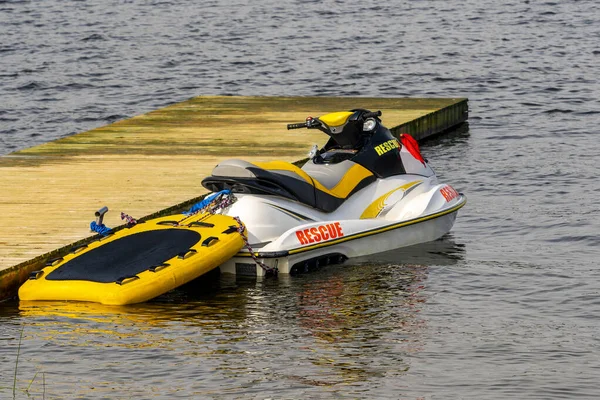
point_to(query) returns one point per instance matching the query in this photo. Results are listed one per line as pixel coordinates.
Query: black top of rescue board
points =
(126, 256)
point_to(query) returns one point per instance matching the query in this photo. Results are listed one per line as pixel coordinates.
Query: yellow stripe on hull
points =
(375, 208)
(382, 229)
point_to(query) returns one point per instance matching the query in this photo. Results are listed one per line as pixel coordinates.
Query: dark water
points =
(506, 306)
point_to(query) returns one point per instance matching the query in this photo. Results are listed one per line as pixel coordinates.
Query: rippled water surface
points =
(506, 306)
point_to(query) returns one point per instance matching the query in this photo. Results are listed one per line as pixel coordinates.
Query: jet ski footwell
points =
(138, 263)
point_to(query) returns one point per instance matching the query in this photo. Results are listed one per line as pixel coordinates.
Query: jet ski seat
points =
(284, 179)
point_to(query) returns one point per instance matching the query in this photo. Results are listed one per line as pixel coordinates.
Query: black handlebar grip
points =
(297, 126)
(372, 114)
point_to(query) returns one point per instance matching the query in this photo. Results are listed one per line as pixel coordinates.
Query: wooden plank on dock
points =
(150, 162)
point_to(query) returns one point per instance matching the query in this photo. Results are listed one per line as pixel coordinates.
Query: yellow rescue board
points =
(138, 263)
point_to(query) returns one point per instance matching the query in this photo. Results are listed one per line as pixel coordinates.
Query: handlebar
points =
(311, 123)
(297, 126)
(372, 114)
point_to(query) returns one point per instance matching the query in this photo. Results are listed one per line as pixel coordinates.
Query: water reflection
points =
(342, 325)
(369, 310)
(444, 251)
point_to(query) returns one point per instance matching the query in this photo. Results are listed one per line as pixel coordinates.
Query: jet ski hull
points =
(365, 192)
(355, 238)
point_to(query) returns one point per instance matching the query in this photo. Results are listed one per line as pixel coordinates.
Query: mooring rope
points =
(268, 270)
(220, 201)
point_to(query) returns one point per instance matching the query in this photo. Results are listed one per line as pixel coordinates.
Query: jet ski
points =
(364, 192)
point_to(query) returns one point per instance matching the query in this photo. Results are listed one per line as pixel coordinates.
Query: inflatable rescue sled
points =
(140, 262)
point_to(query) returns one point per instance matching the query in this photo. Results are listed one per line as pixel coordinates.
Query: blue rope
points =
(207, 200)
(104, 230)
(101, 229)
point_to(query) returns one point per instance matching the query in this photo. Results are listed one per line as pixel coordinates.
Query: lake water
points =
(505, 306)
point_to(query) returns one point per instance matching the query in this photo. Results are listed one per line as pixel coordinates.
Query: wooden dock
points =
(147, 164)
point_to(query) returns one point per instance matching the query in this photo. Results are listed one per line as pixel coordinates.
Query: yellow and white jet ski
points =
(363, 193)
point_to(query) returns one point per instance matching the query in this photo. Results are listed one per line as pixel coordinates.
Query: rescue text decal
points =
(449, 193)
(387, 146)
(320, 233)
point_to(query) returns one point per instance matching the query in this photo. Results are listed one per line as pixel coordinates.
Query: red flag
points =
(412, 146)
